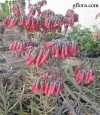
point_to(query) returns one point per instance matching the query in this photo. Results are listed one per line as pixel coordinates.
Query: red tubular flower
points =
(63, 52)
(58, 88)
(66, 52)
(6, 21)
(18, 46)
(14, 45)
(49, 90)
(11, 45)
(53, 49)
(32, 60)
(39, 57)
(28, 22)
(37, 87)
(89, 77)
(78, 76)
(10, 22)
(29, 60)
(42, 89)
(57, 51)
(45, 57)
(46, 88)
(33, 87)
(53, 88)
(70, 50)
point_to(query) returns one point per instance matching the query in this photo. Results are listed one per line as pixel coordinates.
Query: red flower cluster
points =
(38, 20)
(83, 76)
(31, 24)
(64, 49)
(56, 48)
(40, 23)
(39, 57)
(49, 82)
(53, 22)
(20, 47)
(16, 10)
(10, 21)
(47, 87)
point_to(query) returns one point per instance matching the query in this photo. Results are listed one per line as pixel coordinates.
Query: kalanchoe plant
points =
(47, 56)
